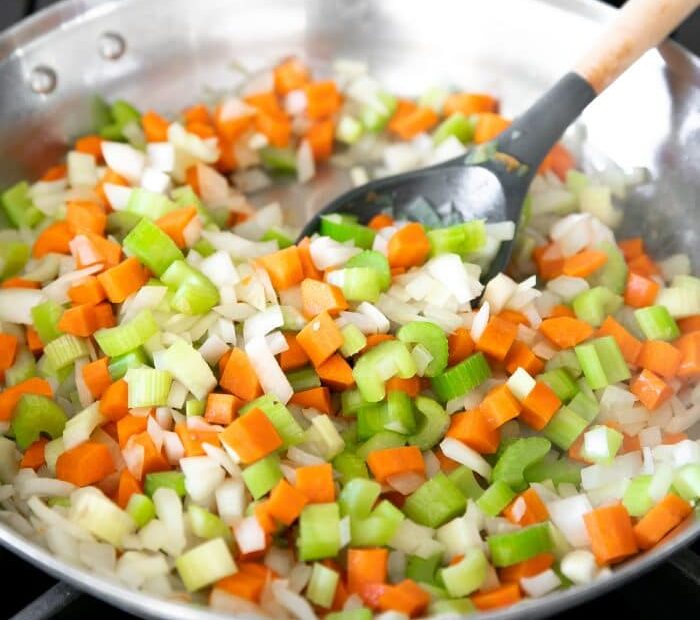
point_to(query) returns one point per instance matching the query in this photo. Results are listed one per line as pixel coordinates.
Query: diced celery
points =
(119, 223)
(303, 379)
(34, 415)
(206, 524)
(349, 129)
(277, 159)
(381, 441)
(432, 422)
(64, 350)
(374, 260)
(561, 383)
(465, 481)
(187, 365)
(262, 476)
(120, 365)
(174, 480)
(686, 481)
(323, 437)
(584, 406)
(359, 613)
(322, 585)
(319, 532)
(636, 498)
(141, 509)
(13, 256)
(602, 362)
(593, 305)
(467, 575)
(459, 239)
(656, 323)
(339, 228)
(18, 206)
(361, 284)
(433, 338)
(350, 402)
(152, 246)
(353, 340)
(376, 115)
(45, 318)
(128, 336)
(435, 502)
(194, 292)
(205, 564)
(494, 499)
(350, 466)
(374, 368)
(378, 528)
(561, 471)
(513, 547)
(455, 607)
(423, 570)
(280, 417)
(148, 387)
(516, 457)
(24, 368)
(564, 428)
(284, 237)
(612, 275)
(461, 378)
(358, 496)
(399, 413)
(195, 407)
(458, 125)
(149, 204)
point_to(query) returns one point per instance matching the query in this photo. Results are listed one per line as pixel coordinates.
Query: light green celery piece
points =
(593, 305)
(188, 367)
(612, 275)
(45, 318)
(378, 528)
(64, 350)
(19, 207)
(467, 575)
(464, 479)
(148, 387)
(322, 585)
(24, 368)
(153, 247)
(128, 336)
(374, 368)
(35, 415)
(559, 471)
(207, 525)
(513, 547)
(435, 502)
(432, 423)
(319, 532)
(359, 613)
(516, 457)
(456, 125)
(149, 204)
(353, 340)
(496, 498)
(13, 256)
(261, 477)
(636, 498)
(656, 323)
(433, 338)
(279, 415)
(564, 428)
(350, 467)
(174, 480)
(141, 509)
(205, 564)
(374, 260)
(461, 378)
(686, 481)
(381, 441)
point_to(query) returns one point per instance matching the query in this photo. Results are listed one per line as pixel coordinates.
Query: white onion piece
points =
(268, 371)
(579, 566)
(567, 515)
(124, 160)
(405, 483)
(16, 304)
(480, 321)
(457, 451)
(249, 535)
(543, 583)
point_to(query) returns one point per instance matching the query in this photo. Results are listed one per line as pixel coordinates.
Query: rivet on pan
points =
(111, 46)
(42, 80)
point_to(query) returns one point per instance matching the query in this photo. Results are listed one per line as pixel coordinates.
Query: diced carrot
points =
(672, 438)
(322, 99)
(513, 316)
(276, 128)
(374, 339)
(560, 310)
(18, 282)
(286, 502)
(521, 356)
(526, 509)
(53, 239)
(239, 378)
(294, 357)
(409, 246)
(539, 406)
(650, 389)
(689, 324)
(244, 584)
(198, 113)
(107, 251)
(129, 425)
(379, 221)
(104, 315)
(502, 596)
(8, 351)
(499, 406)
(469, 103)
(409, 125)
(629, 345)
(231, 128)
(689, 346)
(566, 332)
(366, 567)
(316, 483)
(33, 457)
(584, 263)
(404, 108)
(123, 279)
(611, 534)
(473, 429)
(460, 346)
(290, 75)
(559, 160)
(10, 396)
(85, 464)
(87, 291)
(203, 130)
(33, 341)
(320, 338)
(660, 520)
(252, 436)
(96, 376)
(83, 215)
(221, 408)
(153, 459)
(406, 597)
(90, 145)
(174, 223)
(411, 386)
(446, 464)
(266, 102)
(644, 266)
(488, 126)
(192, 439)
(317, 297)
(155, 127)
(547, 267)
(54, 173)
(283, 267)
(78, 320)
(110, 176)
(320, 137)
(631, 248)
(498, 338)
(128, 486)
(660, 357)
(640, 291)
(392, 461)
(336, 373)
(307, 264)
(318, 398)
(528, 568)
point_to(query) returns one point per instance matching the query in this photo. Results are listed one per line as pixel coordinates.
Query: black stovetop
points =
(665, 591)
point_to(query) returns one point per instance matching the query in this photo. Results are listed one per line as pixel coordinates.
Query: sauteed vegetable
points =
(198, 407)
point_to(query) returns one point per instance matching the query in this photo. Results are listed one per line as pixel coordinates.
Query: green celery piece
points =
(261, 477)
(686, 481)
(375, 116)
(13, 256)
(593, 305)
(496, 498)
(371, 419)
(194, 292)
(141, 509)
(636, 498)
(204, 247)
(152, 246)
(516, 457)
(611, 358)
(612, 275)
(423, 570)
(467, 575)
(560, 471)
(350, 467)
(381, 441)
(149, 204)
(18, 206)
(185, 196)
(361, 284)
(656, 323)
(584, 406)
(277, 159)
(148, 387)
(45, 318)
(64, 502)
(319, 532)
(561, 383)
(433, 338)
(174, 480)
(564, 428)
(120, 364)
(387, 359)
(64, 350)
(303, 379)
(400, 417)
(432, 421)
(464, 479)
(374, 260)
(359, 613)
(24, 368)
(349, 130)
(100, 113)
(282, 236)
(335, 227)
(350, 402)
(322, 585)
(120, 223)
(592, 368)
(280, 417)
(458, 125)
(576, 181)
(195, 407)
(206, 524)
(453, 607)
(34, 415)
(463, 238)
(513, 547)
(377, 529)
(358, 496)
(461, 378)
(435, 502)
(353, 340)
(128, 336)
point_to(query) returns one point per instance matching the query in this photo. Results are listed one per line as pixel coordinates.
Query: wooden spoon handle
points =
(639, 26)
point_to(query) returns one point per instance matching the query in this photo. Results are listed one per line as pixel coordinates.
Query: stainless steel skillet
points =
(167, 53)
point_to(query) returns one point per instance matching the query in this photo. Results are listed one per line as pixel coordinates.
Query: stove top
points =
(671, 590)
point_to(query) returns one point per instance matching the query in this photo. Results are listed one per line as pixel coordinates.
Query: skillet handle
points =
(639, 26)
